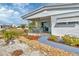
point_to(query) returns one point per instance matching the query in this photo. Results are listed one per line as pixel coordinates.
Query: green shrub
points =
(53, 38)
(9, 35)
(71, 40)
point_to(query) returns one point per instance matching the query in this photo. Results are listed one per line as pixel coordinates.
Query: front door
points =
(45, 26)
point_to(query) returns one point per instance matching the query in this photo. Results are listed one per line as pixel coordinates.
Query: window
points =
(66, 24)
(76, 22)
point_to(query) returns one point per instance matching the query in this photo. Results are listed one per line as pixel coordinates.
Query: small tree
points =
(31, 26)
(23, 26)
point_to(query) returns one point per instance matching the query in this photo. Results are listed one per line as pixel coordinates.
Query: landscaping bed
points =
(66, 39)
(18, 49)
(17, 43)
(31, 37)
(25, 47)
(45, 49)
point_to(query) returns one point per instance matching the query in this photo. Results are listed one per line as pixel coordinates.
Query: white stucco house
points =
(57, 19)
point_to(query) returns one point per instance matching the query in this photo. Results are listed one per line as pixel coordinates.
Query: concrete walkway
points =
(43, 39)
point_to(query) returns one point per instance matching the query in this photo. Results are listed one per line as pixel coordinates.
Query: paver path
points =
(43, 39)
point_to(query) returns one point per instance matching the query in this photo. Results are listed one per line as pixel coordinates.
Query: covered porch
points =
(40, 25)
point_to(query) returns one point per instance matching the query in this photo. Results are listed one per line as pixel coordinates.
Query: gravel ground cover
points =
(7, 50)
(45, 49)
(25, 47)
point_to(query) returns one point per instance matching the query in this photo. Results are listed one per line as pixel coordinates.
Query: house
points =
(57, 19)
(3, 26)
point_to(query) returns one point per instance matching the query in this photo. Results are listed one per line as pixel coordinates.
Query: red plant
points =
(49, 39)
(32, 37)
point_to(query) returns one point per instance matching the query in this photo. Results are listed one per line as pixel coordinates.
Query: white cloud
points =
(11, 13)
(7, 14)
(21, 6)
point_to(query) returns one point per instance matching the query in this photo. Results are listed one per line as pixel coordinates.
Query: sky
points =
(10, 13)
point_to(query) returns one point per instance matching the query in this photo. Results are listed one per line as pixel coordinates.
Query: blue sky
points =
(10, 13)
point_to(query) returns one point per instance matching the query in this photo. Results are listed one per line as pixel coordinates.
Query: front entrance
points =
(45, 27)
(42, 25)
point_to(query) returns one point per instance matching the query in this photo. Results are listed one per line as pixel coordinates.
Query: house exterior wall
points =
(68, 19)
(65, 30)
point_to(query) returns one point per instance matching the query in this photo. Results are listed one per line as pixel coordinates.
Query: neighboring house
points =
(2, 26)
(57, 19)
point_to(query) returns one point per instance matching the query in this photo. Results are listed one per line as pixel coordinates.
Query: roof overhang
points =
(51, 10)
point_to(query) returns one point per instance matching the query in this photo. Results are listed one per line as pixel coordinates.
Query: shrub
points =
(71, 40)
(23, 26)
(9, 35)
(18, 31)
(52, 38)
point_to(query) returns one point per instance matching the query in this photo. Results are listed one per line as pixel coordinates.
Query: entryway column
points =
(53, 22)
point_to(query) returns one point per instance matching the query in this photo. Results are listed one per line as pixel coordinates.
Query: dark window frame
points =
(66, 24)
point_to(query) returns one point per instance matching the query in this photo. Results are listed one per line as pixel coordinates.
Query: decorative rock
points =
(17, 53)
(4, 53)
(11, 42)
(36, 53)
(2, 42)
